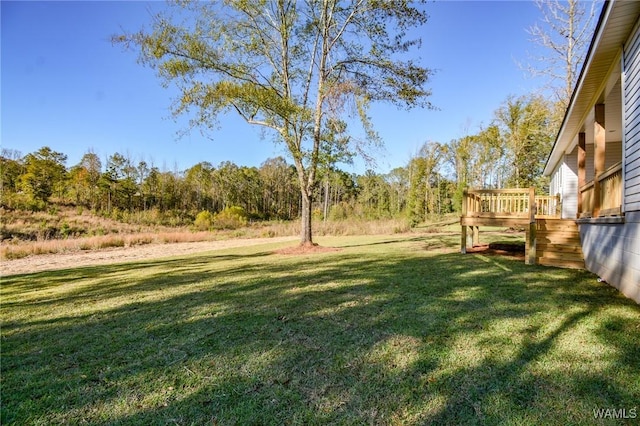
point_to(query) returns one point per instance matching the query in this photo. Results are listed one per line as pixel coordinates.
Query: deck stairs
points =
(558, 243)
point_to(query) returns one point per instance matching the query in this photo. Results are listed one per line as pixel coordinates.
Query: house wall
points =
(613, 154)
(631, 88)
(555, 185)
(569, 192)
(612, 251)
(564, 181)
(589, 166)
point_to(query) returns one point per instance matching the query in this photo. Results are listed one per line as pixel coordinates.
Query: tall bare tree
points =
(563, 31)
(287, 65)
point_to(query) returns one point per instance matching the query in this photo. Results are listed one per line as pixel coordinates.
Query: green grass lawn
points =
(388, 330)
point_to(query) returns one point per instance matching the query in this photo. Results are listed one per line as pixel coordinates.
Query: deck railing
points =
(548, 206)
(513, 202)
(588, 192)
(506, 207)
(610, 193)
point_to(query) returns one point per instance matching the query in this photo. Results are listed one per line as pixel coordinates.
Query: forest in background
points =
(509, 152)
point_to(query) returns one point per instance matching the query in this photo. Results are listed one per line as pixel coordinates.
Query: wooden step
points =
(565, 248)
(557, 225)
(558, 239)
(560, 263)
(560, 255)
(557, 234)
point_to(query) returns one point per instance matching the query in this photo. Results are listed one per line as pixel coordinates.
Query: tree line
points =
(509, 152)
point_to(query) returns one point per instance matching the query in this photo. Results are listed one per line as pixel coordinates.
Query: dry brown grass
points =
(64, 223)
(363, 227)
(17, 250)
(68, 230)
(339, 228)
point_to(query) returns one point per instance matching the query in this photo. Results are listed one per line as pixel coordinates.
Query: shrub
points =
(35, 205)
(339, 212)
(65, 230)
(204, 221)
(116, 214)
(230, 218)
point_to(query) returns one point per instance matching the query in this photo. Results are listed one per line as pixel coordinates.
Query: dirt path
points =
(49, 262)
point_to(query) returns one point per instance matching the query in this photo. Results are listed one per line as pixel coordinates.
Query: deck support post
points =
(476, 236)
(531, 244)
(463, 231)
(463, 240)
(531, 234)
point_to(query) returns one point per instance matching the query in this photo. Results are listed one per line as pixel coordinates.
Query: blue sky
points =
(64, 85)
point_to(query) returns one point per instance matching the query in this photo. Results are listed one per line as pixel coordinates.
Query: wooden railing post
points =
(531, 234)
(465, 196)
(463, 231)
(532, 204)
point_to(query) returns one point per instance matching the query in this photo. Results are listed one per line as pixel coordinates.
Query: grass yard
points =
(388, 330)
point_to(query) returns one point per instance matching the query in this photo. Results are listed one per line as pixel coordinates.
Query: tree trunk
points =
(305, 215)
(325, 212)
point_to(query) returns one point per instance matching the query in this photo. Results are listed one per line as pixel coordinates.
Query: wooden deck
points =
(549, 240)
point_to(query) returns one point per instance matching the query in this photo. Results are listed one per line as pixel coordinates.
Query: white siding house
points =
(631, 160)
(564, 182)
(595, 161)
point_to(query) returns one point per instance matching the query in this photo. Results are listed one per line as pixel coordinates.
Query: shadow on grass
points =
(379, 333)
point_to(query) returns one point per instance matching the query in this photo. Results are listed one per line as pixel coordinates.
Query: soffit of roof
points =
(612, 34)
